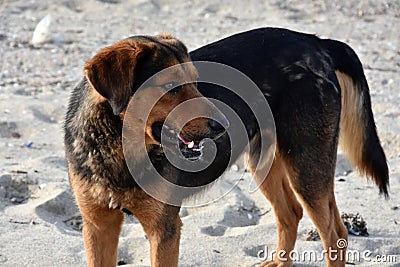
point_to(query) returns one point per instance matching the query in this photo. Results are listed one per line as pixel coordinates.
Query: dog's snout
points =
(218, 127)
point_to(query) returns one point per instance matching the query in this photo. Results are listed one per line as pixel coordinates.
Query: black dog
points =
(317, 91)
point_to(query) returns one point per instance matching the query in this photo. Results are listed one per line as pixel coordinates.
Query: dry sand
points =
(38, 217)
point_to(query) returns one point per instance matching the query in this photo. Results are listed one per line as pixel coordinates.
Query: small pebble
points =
(121, 262)
(235, 168)
(41, 32)
(43, 186)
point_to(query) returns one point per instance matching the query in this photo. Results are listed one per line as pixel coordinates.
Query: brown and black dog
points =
(316, 90)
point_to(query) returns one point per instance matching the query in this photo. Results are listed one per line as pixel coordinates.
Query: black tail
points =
(358, 131)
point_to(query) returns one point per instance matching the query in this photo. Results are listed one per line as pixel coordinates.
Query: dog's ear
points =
(111, 71)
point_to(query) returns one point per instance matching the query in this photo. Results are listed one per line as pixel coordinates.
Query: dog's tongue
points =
(189, 143)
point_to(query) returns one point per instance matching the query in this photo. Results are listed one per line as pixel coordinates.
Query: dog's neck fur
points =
(96, 127)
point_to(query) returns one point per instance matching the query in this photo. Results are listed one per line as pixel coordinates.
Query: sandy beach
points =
(39, 220)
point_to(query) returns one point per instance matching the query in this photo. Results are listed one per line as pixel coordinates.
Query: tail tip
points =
(384, 188)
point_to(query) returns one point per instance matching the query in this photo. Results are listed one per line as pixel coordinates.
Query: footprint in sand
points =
(218, 230)
(238, 215)
(16, 188)
(54, 161)
(9, 130)
(61, 208)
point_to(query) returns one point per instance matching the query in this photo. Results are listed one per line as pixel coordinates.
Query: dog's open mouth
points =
(190, 149)
(173, 139)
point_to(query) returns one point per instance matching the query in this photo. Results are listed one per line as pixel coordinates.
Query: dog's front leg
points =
(164, 243)
(101, 225)
(162, 226)
(101, 229)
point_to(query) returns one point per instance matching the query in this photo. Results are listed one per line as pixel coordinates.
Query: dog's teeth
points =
(112, 204)
(191, 145)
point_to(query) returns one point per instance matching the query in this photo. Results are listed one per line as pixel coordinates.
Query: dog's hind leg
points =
(311, 172)
(320, 204)
(287, 209)
(307, 127)
(162, 226)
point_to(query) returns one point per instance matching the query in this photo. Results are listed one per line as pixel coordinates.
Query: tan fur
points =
(325, 215)
(163, 252)
(288, 211)
(352, 133)
(102, 225)
(103, 222)
(96, 97)
(281, 193)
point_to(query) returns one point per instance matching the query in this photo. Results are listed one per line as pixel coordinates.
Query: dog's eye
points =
(172, 87)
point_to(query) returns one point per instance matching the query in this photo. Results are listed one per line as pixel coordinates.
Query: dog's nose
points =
(218, 128)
